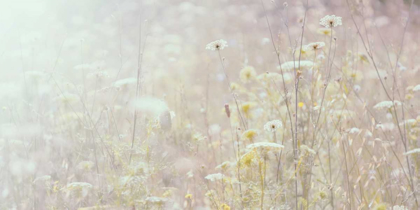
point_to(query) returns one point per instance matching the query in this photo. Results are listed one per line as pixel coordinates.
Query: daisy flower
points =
(273, 125)
(330, 21)
(216, 45)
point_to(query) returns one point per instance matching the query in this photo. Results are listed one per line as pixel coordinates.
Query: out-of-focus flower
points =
(386, 104)
(249, 134)
(324, 31)
(399, 208)
(247, 74)
(225, 207)
(290, 65)
(417, 150)
(330, 21)
(215, 177)
(216, 45)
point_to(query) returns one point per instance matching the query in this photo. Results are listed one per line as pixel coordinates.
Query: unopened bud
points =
(227, 110)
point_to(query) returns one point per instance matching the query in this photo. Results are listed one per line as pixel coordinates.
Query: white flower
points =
(289, 65)
(417, 150)
(216, 45)
(386, 104)
(314, 46)
(416, 88)
(399, 208)
(126, 81)
(265, 146)
(273, 125)
(155, 199)
(215, 177)
(354, 130)
(330, 21)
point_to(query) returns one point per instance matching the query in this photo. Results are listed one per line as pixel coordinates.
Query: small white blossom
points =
(416, 88)
(314, 46)
(273, 125)
(417, 150)
(216, 45)
(215, 177)
(386, 104)
(399, 208)
(265, 146)
(330, 21)
(291, 65)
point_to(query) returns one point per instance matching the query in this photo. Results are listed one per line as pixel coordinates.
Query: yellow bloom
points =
(300, 104)
(324, 31)
(247, 107)
(250, 134)
(247, 158)
(247, 74)
(225, 207)
(188, 196)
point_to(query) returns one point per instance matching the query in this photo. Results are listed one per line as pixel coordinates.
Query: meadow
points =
(222, 104)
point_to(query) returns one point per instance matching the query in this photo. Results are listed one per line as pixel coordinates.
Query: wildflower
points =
(354, 130)
(300, 104)
(315, 46)
(247, 107)
(330, 21)
(247, 74)
(386, 104)
(124, 82)
(249, 134)
(234, 86)
(323, 195)
(416, 88)
(246, 159)
(273, 125)
(215, 177)
(324, 31)
(156, 200)
(188, 196)
(417, 150)
(224, 165)
(292, 65)
(225, 207)
(399, 208)
(216, 45)
(265, 146)
(79, 188)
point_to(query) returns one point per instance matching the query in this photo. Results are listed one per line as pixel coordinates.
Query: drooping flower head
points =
(330, 21)
(216, 45)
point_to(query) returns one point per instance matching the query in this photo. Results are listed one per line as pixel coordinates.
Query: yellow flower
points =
(324, 31)
(247, 74)
(249, 134)
(234, 86)
(246, 159)
(225, 207)
(188, 196)
(300, 104)
(247, 107)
